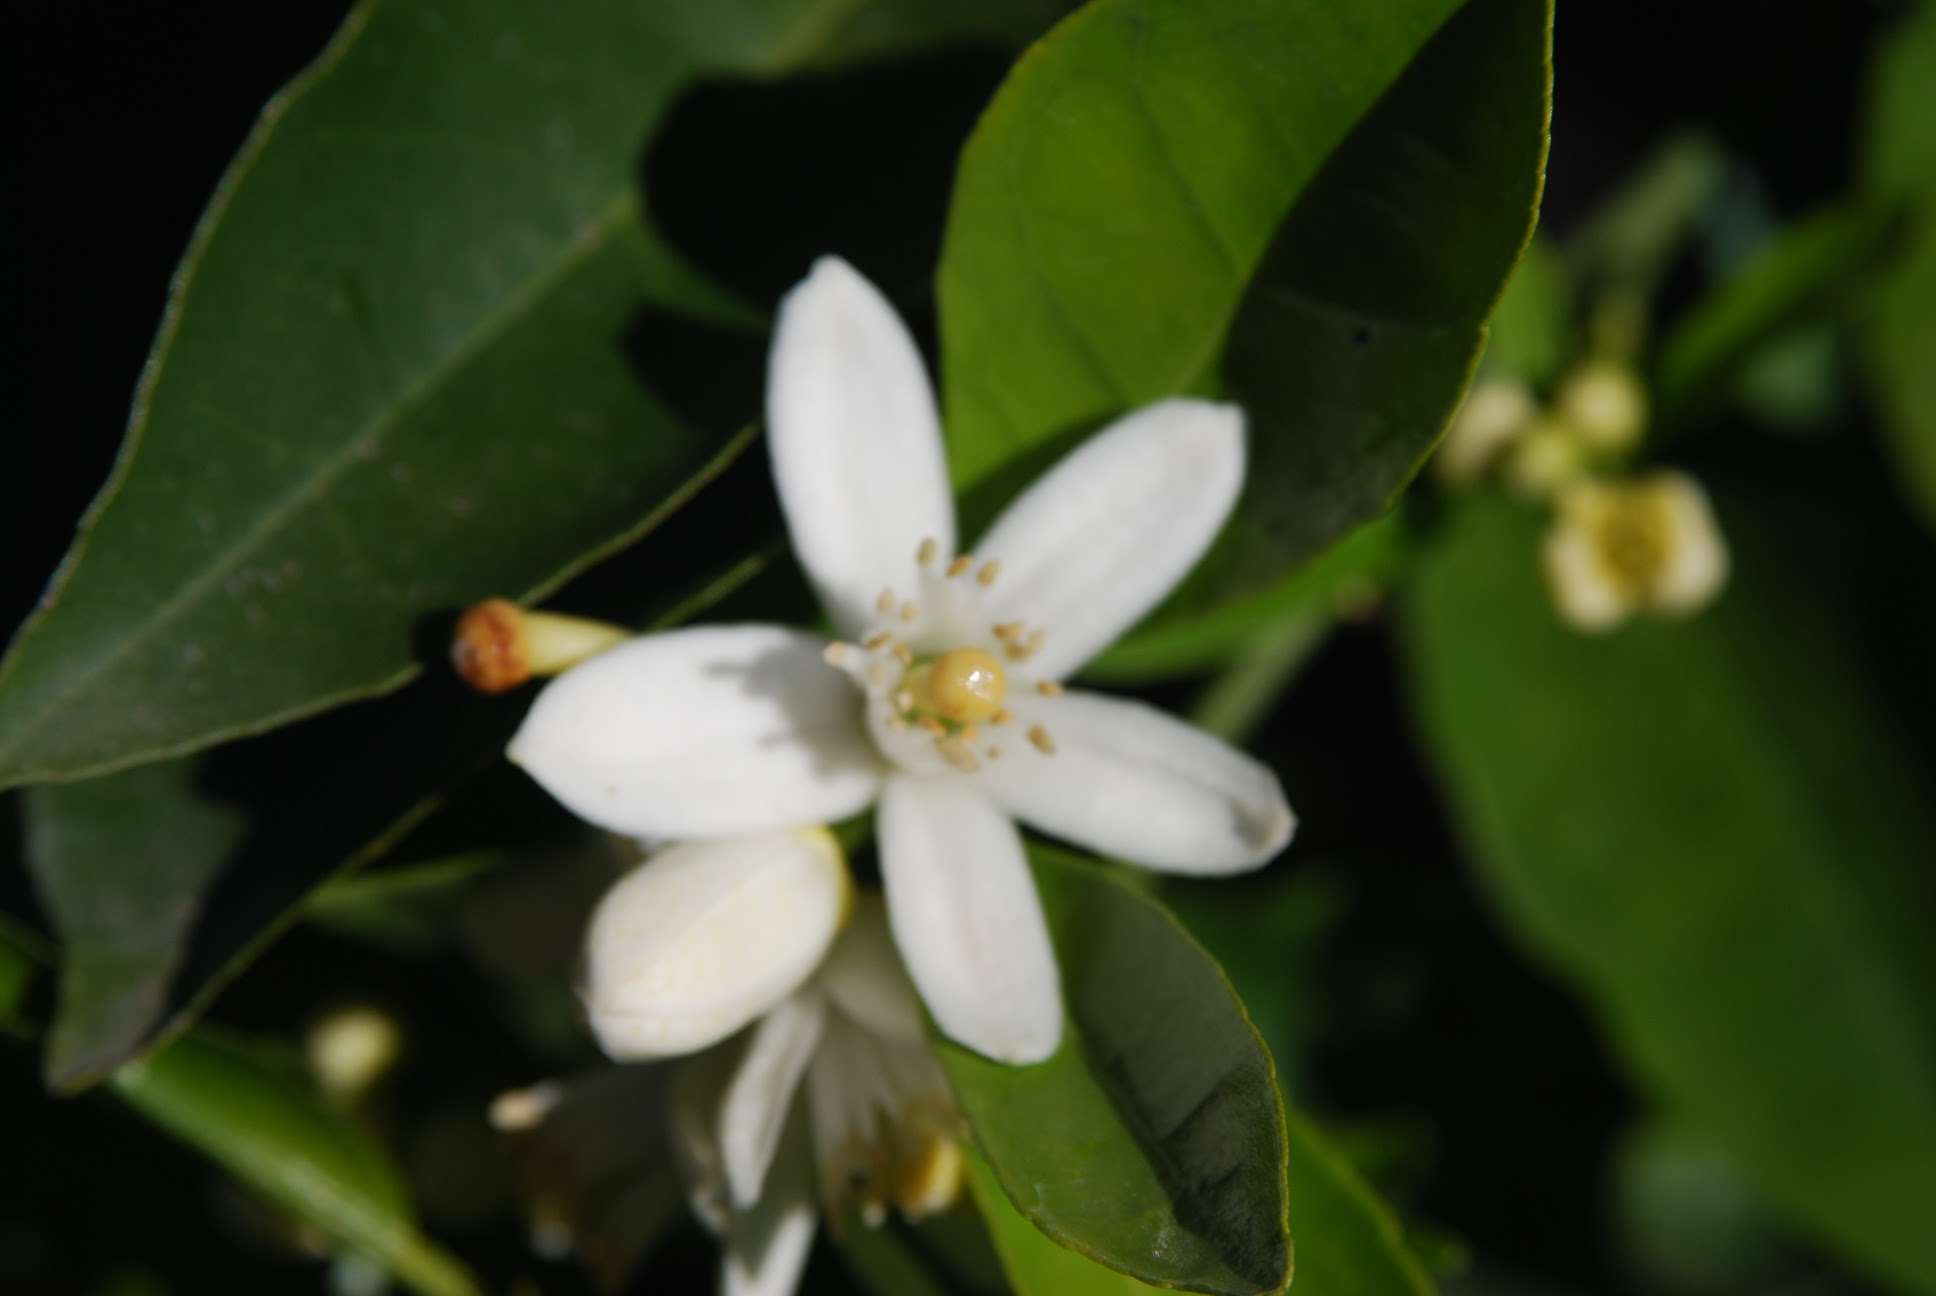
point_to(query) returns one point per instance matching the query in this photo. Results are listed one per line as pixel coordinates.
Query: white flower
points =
(1616, 548)
(946, 706)
(884, 1128)
(837, 1073)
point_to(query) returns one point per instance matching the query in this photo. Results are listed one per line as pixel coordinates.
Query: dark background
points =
(1484, 1084)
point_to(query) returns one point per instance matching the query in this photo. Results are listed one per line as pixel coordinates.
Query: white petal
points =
(1111, 529)
(756, 1105)
(767, 1246)
(1138, 784)
(702, 733)
(864, 977)
(964, 912)
(706, 936)
(855, 442)
(1584, 592)
(1697, 558)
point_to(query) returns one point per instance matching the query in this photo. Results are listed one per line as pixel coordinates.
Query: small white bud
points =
(1605, 405)
(706, 936)
(1495, 411)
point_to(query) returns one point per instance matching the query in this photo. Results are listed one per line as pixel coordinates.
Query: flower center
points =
(962, 685)
(937, 669)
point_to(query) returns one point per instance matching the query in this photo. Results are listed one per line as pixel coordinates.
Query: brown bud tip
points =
(488, 649)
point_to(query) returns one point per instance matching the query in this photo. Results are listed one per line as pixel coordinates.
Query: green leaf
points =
(1531, 331)
(1901, 166)
(1714, 830)
(1035, 1265)
(1153, 1141)
(121, 864)
(1356, 339)
(390, 379)
(1120, 192)
(226, 1097)
(1802, 276)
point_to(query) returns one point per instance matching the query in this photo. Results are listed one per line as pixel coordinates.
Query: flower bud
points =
(1605, 405)
(706, 936)
(1620, 547)
(1495, 411)
(498, 645)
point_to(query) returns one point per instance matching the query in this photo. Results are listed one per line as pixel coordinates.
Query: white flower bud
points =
(1605, 405)
(706, 936)
(1495, 411)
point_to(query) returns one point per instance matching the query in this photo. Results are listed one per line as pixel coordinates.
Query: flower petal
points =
(964, 912)
(1138, 784)
(864, 977)
(702, 733)
(1111, 529)
(706, 936)
(767, 1246)
(756, 1104)
(1584, 591)
(1697, 560)
(855, 442)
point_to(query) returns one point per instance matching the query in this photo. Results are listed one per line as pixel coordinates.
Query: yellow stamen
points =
(1040, 737)
(926, 553)
(885, 603)
(989, 571)
(1049, 688)
(960, 565)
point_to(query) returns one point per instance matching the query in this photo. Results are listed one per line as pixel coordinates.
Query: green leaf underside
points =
(390, 379)
(1153, 1141)
(1356, 338)
(1901, 166)
(1711, 827)
(120, 864)
(1120, 191)
(227, 1097)
(1035, 1265)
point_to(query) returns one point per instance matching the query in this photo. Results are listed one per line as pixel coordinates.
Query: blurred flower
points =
(1649, 544)
(947, 707)
(350, 1049)
(1605, 405)
(1494, 412)
(1545, 459)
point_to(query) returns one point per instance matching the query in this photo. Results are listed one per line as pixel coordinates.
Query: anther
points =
(958, 756)
(885, 603)
(970, 734)
(933, 726)
(910, 610)
(903, 654)
(1040, 737)
(834, 654)
(876, 640)
(994, 753)
(926, 553)
(1049, 688)
(989, 571)
(904, 701)
(1003, 716)
(1008, 630)
(960, 565)
(897, 724)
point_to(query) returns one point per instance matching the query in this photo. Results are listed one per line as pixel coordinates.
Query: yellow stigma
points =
(965, 685)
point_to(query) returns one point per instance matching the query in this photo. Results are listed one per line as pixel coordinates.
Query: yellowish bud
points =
(498, 645)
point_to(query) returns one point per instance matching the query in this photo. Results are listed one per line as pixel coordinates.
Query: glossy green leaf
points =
(1901, 167)
(1356, 339)
(1713, 828)
(390, 380)
(1153, 1141)
(1120, 192)
(121, 864)
(228, 1098)
(1806, 274)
